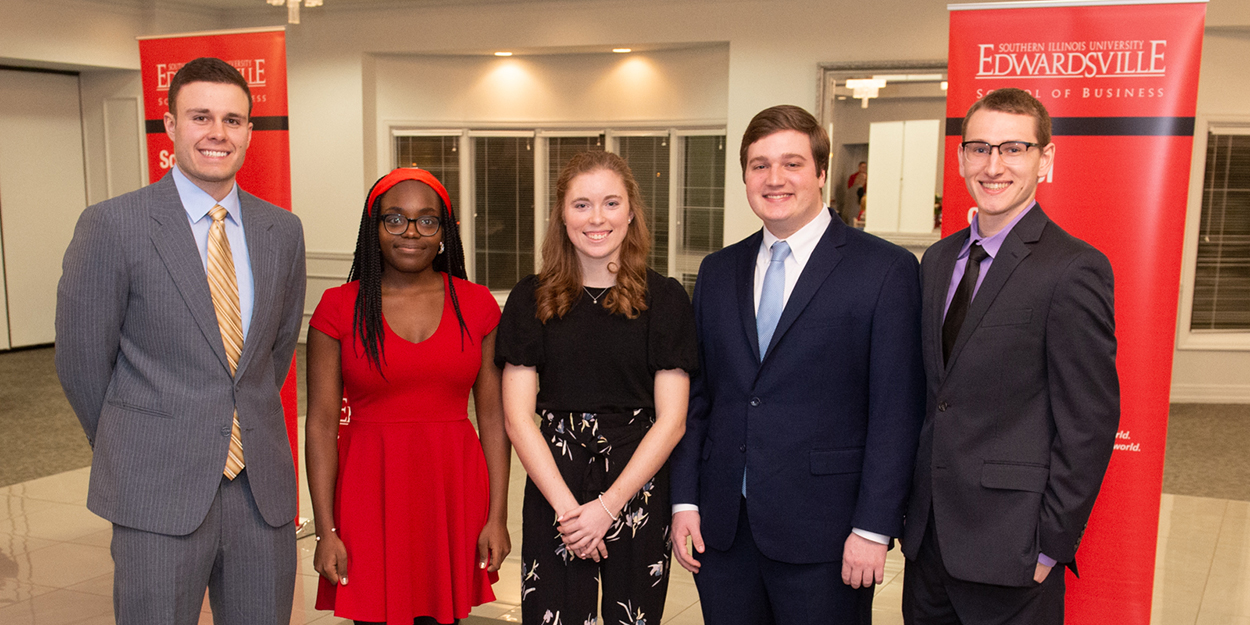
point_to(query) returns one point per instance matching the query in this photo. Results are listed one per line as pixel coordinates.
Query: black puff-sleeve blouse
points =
(592, 360)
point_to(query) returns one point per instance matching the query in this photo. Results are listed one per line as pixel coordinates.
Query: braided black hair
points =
(367, 268)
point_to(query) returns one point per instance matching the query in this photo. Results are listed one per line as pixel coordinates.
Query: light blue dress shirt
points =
(197, 203)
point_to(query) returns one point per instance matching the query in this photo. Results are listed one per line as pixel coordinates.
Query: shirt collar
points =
(197, 202)
(992, 244)
(802, 242)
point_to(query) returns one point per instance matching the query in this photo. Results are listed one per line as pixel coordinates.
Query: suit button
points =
(743, 449)
(225, 431)
(943, 406)
(755, 401)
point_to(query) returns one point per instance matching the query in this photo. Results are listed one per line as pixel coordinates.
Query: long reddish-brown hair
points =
(560, 281)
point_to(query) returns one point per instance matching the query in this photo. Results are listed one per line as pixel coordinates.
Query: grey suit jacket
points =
(140, 357)
(1021, 421)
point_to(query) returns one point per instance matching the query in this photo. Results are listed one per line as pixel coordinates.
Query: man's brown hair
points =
(207, 69)
(786, 117)
(1016, 102)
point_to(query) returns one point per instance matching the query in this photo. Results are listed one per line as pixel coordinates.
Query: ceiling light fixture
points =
(292, 8)
(866, 88)
(622, 50)
(503, 54)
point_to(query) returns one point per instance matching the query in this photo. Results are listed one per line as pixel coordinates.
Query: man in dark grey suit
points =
(167, 386)
(1018, 331)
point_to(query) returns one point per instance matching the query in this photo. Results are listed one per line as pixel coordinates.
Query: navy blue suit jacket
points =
(827, 425)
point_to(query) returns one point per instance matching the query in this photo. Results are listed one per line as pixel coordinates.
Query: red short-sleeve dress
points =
(413, 491)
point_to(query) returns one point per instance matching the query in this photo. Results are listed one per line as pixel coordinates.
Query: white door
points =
(42, 193)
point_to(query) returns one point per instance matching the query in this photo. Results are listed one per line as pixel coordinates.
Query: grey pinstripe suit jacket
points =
(140, 357)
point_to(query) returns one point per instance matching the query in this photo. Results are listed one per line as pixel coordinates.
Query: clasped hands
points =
(583, 529)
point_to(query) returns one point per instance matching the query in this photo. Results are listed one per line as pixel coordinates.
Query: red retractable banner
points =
(1120, 81)
(260, 56)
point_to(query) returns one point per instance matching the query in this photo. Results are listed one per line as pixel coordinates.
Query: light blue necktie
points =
(772, 296)
(772, 301)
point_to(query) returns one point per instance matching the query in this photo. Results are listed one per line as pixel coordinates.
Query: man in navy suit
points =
(793, 474)
(1023, 397)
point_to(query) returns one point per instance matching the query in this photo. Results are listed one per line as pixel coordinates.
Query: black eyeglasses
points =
(979, 151)
(427, 225)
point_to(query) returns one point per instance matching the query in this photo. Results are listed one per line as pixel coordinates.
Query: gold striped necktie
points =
(225, 290)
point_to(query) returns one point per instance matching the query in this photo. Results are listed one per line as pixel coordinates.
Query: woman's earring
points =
(631, 220)
(440, 247)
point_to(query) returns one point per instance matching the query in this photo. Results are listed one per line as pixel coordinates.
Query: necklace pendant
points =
(594, 299)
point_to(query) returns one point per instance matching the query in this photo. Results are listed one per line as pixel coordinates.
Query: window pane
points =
(648, 159)
(702, 194)
(1222, 275)
(437, 155)
(503, 220)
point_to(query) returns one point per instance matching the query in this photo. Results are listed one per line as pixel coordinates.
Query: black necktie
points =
(963, 298)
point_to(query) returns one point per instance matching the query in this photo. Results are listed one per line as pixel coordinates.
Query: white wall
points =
(1214, 375)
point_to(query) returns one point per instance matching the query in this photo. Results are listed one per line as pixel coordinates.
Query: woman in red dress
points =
(410, 505)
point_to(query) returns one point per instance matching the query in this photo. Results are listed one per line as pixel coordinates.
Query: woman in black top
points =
(601, 347)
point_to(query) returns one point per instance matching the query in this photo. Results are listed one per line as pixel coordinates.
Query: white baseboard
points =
(1211, 394)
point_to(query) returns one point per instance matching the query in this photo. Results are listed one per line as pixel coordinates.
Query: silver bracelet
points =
(605, 509)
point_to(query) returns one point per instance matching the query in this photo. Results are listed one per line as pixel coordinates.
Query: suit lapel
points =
(821, 263)
(258, 230)
(1016, 247)
(176, 245)
(746, 290)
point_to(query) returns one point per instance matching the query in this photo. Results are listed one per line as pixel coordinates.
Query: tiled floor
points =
(55, 566)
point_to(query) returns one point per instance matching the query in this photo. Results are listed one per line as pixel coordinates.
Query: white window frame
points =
(1187, 338)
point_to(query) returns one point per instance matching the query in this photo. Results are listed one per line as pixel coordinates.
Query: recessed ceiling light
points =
(622, 50)
(503, 54)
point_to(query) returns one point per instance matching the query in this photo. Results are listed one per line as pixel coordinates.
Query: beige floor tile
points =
(692, 615)
(102, 538)
(63, 564)
(888, 599)
(511, 616)
(59, 607)
(103, 619)
(1176, 602)
(1228, 587)
(1208, 618)
(59, 521)
(13, 591)
(102, 585)
(305, 566)
(1188, 553)
(493, 609)
(681, 595)
(15, 506)
(304, 610)
(1190, 514)
(14, 546)
(305, 547)
(886, 617)
(677, 574)
(508, 588)
(68, 487)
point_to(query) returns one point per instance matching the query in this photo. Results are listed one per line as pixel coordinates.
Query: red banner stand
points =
(1120, 81)
(260, 56)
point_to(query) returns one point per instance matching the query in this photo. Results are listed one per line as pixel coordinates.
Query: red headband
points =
(401, 174)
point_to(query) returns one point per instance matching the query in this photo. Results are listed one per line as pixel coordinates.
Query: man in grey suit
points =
(176, 381)
(1018, 332)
